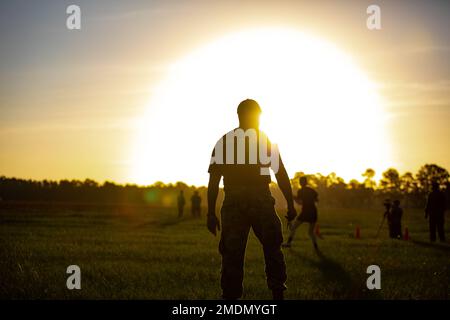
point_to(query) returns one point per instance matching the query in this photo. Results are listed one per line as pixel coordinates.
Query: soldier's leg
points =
(312, 234)
(267, 228)
(292, 228)
(440, 228)
(391, 230)
(432, 228)
(399, 231)
(394, 231)
(233, 241)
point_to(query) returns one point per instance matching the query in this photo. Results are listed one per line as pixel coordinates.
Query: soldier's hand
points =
(291, 214)
(213, 223)
(289, 225)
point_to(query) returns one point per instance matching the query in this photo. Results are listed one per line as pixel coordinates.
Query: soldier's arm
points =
(297, 198)
(427, 207)
(213, 191)
(444, 202)
(285, 185)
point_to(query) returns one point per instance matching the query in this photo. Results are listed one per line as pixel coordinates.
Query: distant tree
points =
(181, 185)
(390, 182)
(369, 174)
(321, 183)
(332, 189)
(407, 183)
(354, 184)
(90, 183)
(430, 173)
(159, 184)
(334, 180)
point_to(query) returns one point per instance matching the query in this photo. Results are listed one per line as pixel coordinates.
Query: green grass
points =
(154, 255)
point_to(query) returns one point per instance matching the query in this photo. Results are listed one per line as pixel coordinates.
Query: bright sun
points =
(318, 106)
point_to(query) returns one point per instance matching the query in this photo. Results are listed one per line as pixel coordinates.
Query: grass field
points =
(150, 254)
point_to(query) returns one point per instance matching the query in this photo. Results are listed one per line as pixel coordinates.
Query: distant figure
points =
(248, 203)
(395, 220)
(435, 211)
(181, 202)
(387, 216)
(447, 195)
(196, 201)
(307, 198)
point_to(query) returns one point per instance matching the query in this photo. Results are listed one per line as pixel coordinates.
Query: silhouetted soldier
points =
(181, 202)
(307, 198)
(248, 202)
(387, 216)
(196, 201)
(447, 195)
(395, 220)
(435, 210)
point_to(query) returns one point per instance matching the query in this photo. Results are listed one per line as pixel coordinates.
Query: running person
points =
(307, 198)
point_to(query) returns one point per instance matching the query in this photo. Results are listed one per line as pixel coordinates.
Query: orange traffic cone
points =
(406, 234)
(357, 232)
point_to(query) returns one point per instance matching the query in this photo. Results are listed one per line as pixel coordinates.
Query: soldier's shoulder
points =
(262, 134)
(310, 189)
(223, 137)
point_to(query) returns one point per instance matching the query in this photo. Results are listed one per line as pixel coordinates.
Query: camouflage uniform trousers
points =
(240, 212)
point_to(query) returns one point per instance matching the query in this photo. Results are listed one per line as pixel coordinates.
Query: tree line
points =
(333, 190)
(411, 189)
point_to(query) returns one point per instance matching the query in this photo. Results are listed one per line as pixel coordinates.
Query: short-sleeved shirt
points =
(237, 158)
(396, 214)
(436, 202)
(196, 200)
(308, 198)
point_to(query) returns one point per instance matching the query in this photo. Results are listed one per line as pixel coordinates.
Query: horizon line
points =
(102, 182)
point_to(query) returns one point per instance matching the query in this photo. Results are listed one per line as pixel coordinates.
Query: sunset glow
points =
(318, 105)
(143, 90)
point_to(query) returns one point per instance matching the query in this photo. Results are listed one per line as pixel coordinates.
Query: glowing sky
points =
(70, 101)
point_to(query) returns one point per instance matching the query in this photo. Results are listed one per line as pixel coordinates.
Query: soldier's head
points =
(248, 112)
(396, 203)
(303, 181)
(196, 192)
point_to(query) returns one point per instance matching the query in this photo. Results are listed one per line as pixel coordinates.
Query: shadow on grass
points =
(340, 282)
(438, 246)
